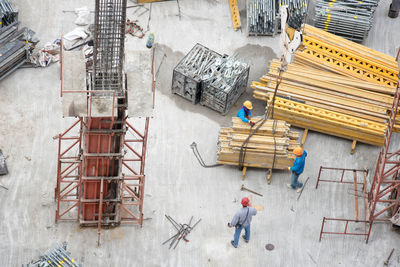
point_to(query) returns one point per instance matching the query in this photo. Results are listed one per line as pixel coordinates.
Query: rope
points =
(193, 146)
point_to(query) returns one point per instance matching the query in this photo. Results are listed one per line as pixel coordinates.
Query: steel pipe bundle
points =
(349, 19)
(15, 45)
(263, 15)
(297, 12)
(57, 256)
(7, 13)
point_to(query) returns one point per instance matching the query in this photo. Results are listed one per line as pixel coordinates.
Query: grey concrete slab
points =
(103, 106)
(31, 114)
(74, 79)
(138, 68)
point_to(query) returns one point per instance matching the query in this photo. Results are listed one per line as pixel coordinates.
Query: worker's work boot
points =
(247, 241)
(290, 186)
(233, 243)
(299, 187)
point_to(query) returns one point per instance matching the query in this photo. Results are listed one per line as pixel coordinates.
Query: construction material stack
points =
(334, 86)
(207, 77)
(349, 19)
(270, 147)
(16, 43)
(263, 16)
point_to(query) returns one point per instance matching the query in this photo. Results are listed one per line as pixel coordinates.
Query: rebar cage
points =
(108, 52)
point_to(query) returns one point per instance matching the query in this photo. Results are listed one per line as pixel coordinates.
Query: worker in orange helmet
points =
(245, 112)
(242, 219)
(297, 168)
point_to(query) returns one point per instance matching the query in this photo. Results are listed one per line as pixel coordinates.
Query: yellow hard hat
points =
(298, 151)
(248, 104)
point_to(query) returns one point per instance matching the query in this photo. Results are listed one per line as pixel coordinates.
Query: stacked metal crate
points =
(207, 77)
(186, 80)
(350, 19)
(223, 83)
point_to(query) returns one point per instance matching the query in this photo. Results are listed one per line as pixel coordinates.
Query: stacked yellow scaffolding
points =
(334, 86)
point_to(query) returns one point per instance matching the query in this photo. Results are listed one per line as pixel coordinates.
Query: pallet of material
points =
(271, 138)
(334, 86)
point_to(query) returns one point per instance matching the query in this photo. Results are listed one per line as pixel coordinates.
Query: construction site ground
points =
(31, 114)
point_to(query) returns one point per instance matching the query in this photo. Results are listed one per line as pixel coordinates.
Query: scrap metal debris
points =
(183, 231)
(134, 29)
(3, 165)
(45, 56)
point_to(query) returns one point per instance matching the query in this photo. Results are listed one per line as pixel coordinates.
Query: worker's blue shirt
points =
(242, 114)
(298, 165)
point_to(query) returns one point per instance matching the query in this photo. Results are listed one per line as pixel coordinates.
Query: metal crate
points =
(222, 100)
(187, 75)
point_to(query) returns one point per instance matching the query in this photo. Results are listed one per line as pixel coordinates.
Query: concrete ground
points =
(31, 114)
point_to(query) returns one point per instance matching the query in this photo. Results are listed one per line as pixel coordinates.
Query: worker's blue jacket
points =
(298, 165)
(243, 113)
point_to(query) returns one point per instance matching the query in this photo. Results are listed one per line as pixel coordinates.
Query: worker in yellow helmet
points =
(297, 168)
(245, 112)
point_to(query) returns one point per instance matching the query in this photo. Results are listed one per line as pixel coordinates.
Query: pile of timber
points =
(271, 138)
(334, 86)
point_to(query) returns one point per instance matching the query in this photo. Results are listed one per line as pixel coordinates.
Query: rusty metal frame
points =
(132, 189)
(69, 175)
(341, 180)
(386, 178)
(367, 229)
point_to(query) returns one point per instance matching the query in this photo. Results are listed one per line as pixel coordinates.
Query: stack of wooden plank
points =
(271, 138)
(334, 86)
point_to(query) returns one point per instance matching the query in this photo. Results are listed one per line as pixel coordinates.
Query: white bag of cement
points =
(83, 14)
(77, 33)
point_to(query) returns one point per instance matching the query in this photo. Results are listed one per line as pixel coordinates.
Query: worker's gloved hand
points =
(252, 123)
(288, 168)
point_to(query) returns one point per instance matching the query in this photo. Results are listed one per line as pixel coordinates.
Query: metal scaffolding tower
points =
(101, 157)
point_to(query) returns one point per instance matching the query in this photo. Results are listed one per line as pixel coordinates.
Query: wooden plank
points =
(351, 46)
(353, 147)
(265, 97)
(303, 139)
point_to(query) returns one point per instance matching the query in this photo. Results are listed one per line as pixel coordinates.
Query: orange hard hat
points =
(298, 151)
